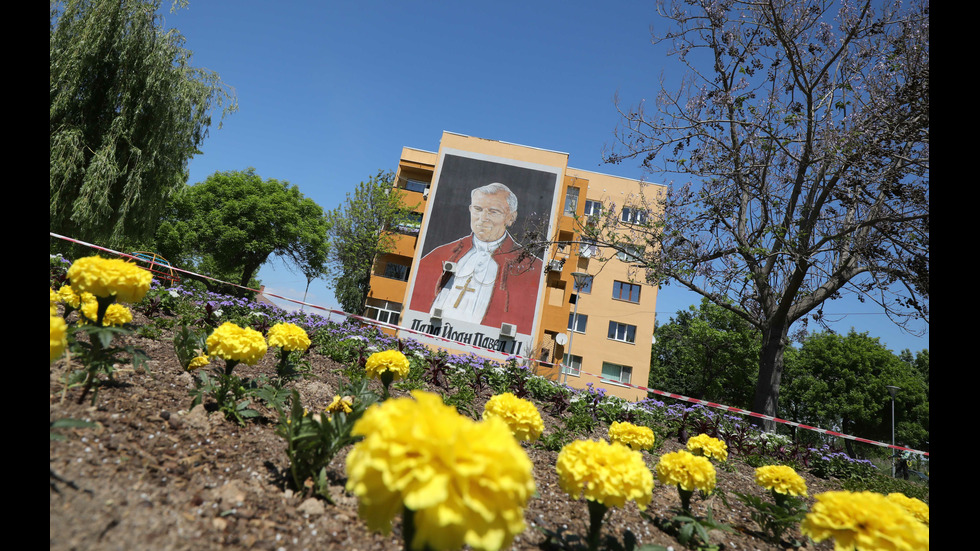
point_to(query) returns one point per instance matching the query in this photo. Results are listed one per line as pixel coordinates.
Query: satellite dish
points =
(561, 339)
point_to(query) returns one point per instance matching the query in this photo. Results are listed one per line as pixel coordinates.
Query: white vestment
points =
(468, 292)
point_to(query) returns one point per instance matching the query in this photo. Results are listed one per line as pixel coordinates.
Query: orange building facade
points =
(461, 279)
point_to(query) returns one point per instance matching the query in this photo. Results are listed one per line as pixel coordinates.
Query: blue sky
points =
(329, 93)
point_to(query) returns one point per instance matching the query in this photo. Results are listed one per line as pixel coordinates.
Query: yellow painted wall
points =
(594, 346)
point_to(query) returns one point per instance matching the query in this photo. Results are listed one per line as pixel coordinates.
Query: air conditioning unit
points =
(448, 266)
(437, 313)
(425, 193)
(555, 265)
(508, 330)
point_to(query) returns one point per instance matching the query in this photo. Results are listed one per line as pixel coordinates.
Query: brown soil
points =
(155, 474)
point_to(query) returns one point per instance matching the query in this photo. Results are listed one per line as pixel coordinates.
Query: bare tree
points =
(801, 135)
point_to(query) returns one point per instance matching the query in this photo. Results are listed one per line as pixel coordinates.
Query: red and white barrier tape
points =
(458, 345)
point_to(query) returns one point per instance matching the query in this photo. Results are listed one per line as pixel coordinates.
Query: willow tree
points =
(800, 134)
(127, 113)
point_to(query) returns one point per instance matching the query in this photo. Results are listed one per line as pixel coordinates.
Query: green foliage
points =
(231, 394)
(462, 396)
(840, 465)
(775, 517)
(98, 354)
(359, 233)
(234, 221)
(708, 353)
(691, 530)
(127, 113)
(839, 381)
(189, 343)
(884, 483)
(312, 440)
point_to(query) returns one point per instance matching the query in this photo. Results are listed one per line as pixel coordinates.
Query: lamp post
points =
(892, 390)
(580, 279)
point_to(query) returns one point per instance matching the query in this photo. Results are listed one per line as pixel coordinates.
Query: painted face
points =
(490, 216)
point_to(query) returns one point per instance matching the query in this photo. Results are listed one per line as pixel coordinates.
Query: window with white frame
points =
(572, 365)
(633, 215)
(616, 372)
(383, 311)
(592, 208)
(631, 253)
(622, 332)
(577, 322)
(626, 291)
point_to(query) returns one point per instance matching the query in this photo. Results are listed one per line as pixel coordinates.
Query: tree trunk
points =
(766, 399)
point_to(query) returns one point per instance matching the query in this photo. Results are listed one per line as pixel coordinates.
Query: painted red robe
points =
(515, 287)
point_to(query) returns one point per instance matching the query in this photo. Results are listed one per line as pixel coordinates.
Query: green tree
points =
(127, 113)
(800, 134)
(707, 353)
(234, 221)
(359, 234)
(839, 382)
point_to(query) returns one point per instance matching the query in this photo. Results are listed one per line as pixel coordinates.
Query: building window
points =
(396, 271)
(622, 332)
(626, 291)
(571, 201)
(630, 254)
(411, 225)
(416, 185)
(572, 365)
(587, 248)
(633, 215)
(593, 208)
(618, 373)
(578, 323)
(383, 311)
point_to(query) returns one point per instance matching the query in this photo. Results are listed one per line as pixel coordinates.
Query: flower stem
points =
(685, 498)
(408, 527)
(596, 512)
(386, 378)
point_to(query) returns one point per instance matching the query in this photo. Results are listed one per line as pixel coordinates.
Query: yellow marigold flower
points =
(391, 361)
(690, 472)
(197, 362)
(340, 404)
(234, 343)
(863, 521)
(608, 473)
(466, 482)
(780, 479)
(54, 301)
(918, 508)
(68, 295)
(707, 446)
(634, 436)
(59, 337)
(110, 277)
(519, 414)
(115, 314)
(289, 337)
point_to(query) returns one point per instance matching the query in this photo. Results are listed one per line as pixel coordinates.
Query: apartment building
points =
(462, 278)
